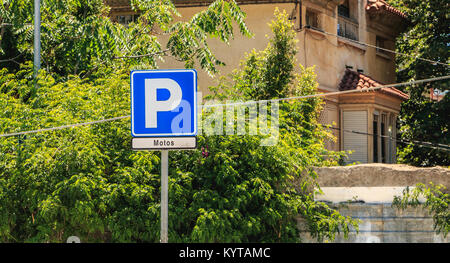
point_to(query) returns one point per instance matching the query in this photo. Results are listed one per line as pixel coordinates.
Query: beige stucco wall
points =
(327, 53)
(258, 18)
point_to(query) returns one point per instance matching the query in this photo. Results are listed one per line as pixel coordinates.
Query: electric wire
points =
(394, 52)
(305, 27)
(238, 103)
(376, 47)
(408, 83)
(64, 126)
(436, 146)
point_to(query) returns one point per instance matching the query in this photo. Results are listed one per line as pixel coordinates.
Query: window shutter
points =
(355, 121)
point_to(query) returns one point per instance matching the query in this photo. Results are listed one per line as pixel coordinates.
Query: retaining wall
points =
(366, 192)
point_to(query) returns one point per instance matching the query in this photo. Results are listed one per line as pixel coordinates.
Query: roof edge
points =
(374, 6)
(359, 81)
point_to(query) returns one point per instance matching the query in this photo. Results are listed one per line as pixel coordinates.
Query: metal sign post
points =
(37, 37)
(163, 118)
(164, 196)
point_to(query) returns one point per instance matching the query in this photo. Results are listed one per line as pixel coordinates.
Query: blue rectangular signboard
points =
(163, 103)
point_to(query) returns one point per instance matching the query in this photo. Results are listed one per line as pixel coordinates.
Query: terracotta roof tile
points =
(355, 80)
(381, 5)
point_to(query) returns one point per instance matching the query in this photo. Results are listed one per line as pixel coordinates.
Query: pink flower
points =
(205, 152)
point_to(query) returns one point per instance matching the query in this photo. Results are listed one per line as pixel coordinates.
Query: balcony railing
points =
(347, 28)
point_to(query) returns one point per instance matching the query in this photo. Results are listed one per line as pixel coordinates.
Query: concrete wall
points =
(378, 175)
(380, 223)
(366, 192)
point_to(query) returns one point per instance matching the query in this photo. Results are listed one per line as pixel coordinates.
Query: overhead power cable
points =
(239, 103)
(380, 48)
(408, 83)
(64, 126)
(305, 27)
(436, 146)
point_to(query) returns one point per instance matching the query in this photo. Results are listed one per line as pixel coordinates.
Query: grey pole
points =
(164, 195)
(37, 36)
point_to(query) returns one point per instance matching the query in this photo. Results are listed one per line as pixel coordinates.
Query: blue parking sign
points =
(163, 103)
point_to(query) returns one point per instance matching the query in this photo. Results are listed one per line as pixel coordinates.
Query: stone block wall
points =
(366, 192)
(381, 223)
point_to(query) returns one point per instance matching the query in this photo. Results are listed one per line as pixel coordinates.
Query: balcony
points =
(347, 28)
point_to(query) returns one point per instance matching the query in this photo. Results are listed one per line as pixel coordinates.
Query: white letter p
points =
(152, 105)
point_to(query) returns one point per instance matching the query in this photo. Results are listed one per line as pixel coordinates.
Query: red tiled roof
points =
(355, 80)
(379, 5)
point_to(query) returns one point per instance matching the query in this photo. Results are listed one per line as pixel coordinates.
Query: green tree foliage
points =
(86, 181)
(79, 38)
(270, 73)
(437, 202)
(278, 180)
(428, 36)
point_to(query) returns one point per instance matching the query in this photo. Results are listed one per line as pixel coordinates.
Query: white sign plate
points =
(164, 143)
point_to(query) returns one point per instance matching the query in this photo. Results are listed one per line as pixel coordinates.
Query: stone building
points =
(331, 34)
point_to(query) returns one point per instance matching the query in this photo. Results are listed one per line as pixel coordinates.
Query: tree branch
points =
(144, 55)
(11, 59)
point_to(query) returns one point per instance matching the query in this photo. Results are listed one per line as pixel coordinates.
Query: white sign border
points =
(194, 133)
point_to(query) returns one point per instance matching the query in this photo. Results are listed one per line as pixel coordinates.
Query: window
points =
(383, 138)
(347, 29)
(344, 9)
(126, 19)
(347, 24)
(384, 133)
(375, 138)
(312, 19)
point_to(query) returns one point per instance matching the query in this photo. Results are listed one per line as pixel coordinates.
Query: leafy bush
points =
(436, 201)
